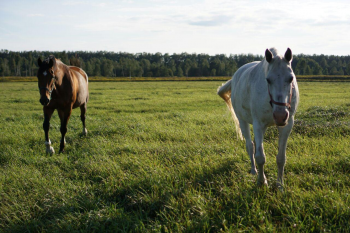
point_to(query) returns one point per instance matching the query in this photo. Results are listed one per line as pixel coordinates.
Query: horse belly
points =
(245, 116)
(241, 103)
(82, 93)
(242, 110)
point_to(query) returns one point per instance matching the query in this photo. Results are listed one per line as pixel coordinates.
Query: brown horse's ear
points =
(268, 55)
(51, 63)
(40, 62)
(288, 55)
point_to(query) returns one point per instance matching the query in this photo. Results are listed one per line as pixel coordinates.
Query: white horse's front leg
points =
(260, 159)
(282, 146)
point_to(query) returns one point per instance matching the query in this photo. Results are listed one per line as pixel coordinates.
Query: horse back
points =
(243, 79)
(81, 85)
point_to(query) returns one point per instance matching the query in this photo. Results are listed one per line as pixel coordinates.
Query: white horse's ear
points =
(288, 55)
(268, 55)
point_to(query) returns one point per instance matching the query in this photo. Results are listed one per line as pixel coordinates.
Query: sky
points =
(176, 26)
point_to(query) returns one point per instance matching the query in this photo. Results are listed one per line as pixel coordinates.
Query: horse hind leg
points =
(245, 129)
(64, 117)
(82, 117)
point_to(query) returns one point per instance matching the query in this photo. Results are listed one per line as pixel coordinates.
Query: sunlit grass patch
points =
(163, 157)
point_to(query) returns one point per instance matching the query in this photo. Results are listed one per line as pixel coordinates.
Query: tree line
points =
(121, 64)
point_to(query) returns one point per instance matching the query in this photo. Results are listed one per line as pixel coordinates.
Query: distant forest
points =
(121, 64)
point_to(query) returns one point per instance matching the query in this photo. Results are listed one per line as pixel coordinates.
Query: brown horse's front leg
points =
(46, 125)
(64, 116)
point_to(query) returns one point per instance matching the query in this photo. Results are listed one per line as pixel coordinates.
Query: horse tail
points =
(224, 91)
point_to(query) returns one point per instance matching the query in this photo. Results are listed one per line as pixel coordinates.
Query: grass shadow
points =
(125, 209)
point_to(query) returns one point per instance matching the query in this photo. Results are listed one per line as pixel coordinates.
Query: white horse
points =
(263, 94)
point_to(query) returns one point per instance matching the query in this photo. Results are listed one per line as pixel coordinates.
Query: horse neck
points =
(61, 69)
(265, 67)
(62, 74)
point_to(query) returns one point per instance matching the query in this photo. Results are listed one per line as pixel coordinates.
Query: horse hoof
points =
(84, 132)
(61, 151)
(280, 186)
(263, 184)
(253, 172)
(50, 150)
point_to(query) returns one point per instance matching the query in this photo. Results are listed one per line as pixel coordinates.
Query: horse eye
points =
(290, 79)
(268, 81)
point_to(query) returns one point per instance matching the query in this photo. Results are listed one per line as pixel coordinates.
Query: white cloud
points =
(35, 15)
(221, 26)
(74, 3)
(211, 21)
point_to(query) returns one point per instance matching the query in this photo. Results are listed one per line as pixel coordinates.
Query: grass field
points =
(308, 78)
(163, 157)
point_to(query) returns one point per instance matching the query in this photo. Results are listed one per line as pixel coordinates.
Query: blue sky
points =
(192, 26)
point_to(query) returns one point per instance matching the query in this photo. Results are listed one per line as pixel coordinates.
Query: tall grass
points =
(163, 157)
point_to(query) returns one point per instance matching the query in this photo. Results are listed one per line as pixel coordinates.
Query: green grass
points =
(163, 157)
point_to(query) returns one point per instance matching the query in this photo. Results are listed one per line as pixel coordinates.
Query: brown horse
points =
(63, 88)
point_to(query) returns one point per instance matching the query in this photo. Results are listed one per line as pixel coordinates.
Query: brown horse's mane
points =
(58, 64)
(66, 69)
(52, 57)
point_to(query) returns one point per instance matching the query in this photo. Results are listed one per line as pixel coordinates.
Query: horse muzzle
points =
(44, 101)
(281, 117)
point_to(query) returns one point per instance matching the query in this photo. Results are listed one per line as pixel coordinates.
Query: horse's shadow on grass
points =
(120, 211)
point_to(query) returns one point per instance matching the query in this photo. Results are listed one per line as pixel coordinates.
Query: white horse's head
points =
(279, 77)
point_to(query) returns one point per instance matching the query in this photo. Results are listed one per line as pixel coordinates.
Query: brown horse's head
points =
(46, 79)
